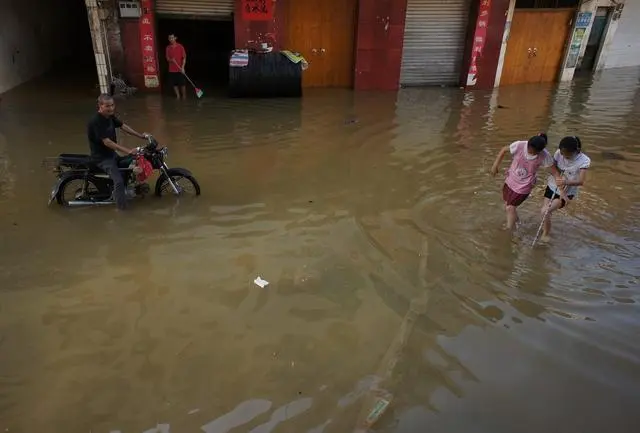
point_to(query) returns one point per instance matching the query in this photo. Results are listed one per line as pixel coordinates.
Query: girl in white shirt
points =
(573, 165)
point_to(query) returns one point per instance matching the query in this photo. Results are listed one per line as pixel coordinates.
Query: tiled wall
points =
(380, 34)
(132, 53)
(246, 31)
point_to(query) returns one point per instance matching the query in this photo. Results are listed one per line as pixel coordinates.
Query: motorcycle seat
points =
(79, 161)
(76, 160)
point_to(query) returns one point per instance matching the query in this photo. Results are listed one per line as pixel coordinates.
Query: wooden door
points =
(302, 34)
(338, 42)
(551, 43)
(323, 31)
(516, 59)
(536, 45)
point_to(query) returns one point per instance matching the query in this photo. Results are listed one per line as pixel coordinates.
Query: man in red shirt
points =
(177, 58)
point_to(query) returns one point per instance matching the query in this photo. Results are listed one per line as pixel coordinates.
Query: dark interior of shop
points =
(79, 36)
(208, 45)
(74, 62)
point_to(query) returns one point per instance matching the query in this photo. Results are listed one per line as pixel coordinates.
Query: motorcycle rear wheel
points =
(72, 190)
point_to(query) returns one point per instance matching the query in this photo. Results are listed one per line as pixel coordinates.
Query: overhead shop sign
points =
(257, 10)
(148, 44)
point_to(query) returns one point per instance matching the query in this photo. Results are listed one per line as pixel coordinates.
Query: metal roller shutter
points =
(434, 39)
(197, 8)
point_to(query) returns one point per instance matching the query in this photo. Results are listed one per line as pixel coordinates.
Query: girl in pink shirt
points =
(528, 157)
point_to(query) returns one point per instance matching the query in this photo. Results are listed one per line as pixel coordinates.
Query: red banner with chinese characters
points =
(257, 10)
(479, 38)
(148, 44)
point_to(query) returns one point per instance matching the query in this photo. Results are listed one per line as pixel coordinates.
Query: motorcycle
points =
(82, 183)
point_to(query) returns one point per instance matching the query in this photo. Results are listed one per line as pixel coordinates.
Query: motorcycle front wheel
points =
(186, 184)
(77, 188)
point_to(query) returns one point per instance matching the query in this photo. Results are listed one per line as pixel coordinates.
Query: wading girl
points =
(573, 165)
(528, 157)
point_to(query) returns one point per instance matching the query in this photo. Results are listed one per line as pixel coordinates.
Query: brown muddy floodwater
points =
(374, 220)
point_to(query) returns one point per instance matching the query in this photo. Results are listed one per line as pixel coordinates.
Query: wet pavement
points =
(374, 220)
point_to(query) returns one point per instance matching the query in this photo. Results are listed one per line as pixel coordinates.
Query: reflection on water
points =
(374, 220)
(242, 414)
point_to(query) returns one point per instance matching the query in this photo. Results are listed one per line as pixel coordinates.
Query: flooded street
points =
(378, 227)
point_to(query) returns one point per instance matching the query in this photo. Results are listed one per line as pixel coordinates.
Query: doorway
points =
(536, 45)
(537, 39)
(596, 37)
(208, 44)
(323, 31)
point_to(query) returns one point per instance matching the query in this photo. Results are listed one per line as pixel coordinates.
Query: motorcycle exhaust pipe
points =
(90, 203)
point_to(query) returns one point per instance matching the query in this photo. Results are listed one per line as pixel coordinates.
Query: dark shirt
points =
(99, 128)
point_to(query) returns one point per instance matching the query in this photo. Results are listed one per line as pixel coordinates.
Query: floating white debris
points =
(260, 282)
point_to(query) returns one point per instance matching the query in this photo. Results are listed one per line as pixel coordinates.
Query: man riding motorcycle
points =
(101, 131)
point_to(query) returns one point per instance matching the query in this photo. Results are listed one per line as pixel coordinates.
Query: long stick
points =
(188, 79)
(544, 217)
(533, 244)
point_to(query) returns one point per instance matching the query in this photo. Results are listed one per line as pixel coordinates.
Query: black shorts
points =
(177, 79)
(548, 194)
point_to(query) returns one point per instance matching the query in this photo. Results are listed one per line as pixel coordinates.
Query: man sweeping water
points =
(177, 59)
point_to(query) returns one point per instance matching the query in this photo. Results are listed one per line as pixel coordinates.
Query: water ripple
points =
(374, 219)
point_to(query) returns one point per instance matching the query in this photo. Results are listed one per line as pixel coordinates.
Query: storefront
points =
(539, 33)
(338, 38)
(363, 44)
(205, 28)
(434, 42)
(384, 44)
(354, 43)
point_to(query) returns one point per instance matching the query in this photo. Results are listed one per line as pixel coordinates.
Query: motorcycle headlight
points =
(164, 152)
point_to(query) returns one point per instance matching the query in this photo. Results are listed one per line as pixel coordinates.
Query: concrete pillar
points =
(113, 36)
(100, 51)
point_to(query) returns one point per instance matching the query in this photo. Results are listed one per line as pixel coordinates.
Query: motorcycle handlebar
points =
(152, 145)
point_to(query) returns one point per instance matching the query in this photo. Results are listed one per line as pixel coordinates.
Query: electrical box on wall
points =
(129, 9)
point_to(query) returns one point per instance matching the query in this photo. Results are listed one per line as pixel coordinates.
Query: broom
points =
(199, 92)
